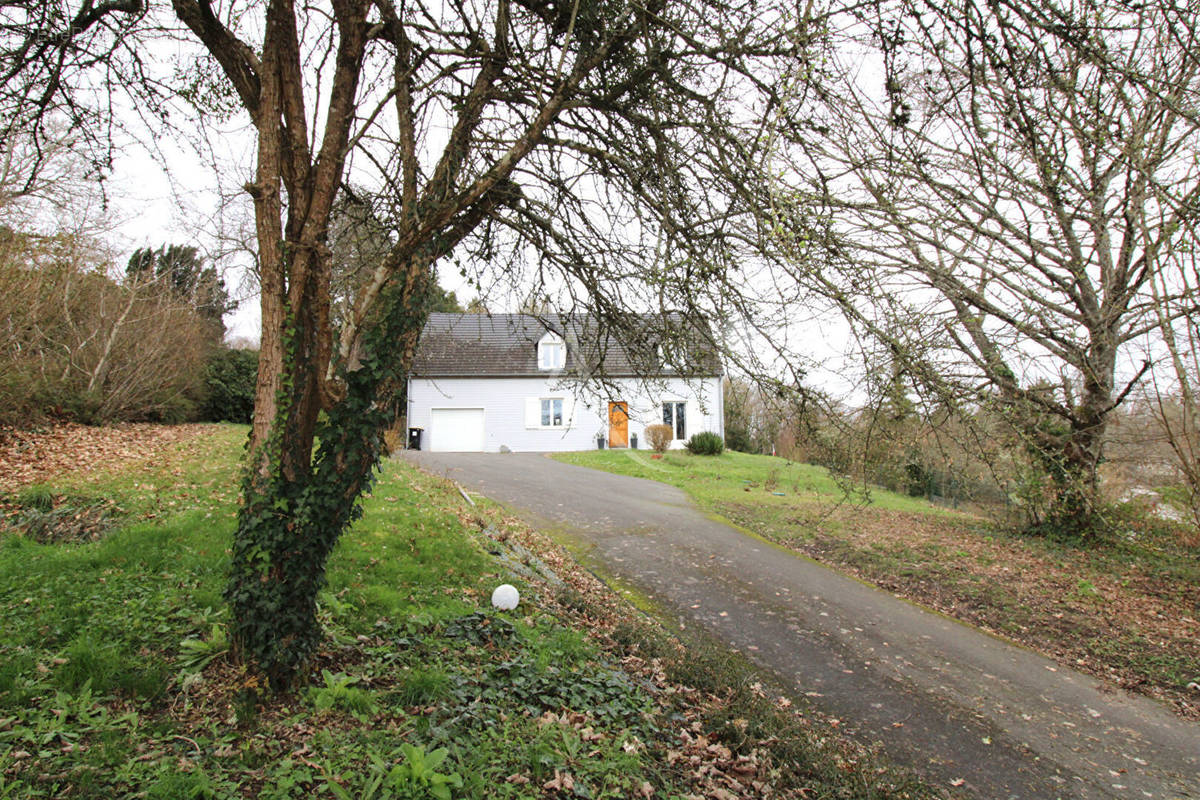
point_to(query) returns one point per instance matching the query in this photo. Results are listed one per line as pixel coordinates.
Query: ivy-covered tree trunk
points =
(1068, 447)
(1067, 456)
(297, 502)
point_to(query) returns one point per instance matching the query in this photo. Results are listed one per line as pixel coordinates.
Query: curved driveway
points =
(949, 701)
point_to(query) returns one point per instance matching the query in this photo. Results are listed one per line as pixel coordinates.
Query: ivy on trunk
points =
(294, 513)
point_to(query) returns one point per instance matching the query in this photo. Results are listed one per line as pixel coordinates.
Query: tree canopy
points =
(185, 273)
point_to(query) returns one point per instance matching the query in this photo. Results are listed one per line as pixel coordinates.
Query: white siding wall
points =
(508, 403)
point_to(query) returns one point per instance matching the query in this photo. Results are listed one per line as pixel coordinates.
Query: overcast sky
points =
(182, 203)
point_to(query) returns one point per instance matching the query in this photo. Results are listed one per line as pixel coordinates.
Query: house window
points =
(552, 352)
(552, 412)
(675, 415)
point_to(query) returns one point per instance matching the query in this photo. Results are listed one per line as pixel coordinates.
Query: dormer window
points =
(552, 352)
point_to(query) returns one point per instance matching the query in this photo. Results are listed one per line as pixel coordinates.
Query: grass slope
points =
(115, 680)
(728, 477)
(1125, 607)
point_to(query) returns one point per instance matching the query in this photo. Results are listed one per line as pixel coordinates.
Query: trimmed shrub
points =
(659, 437)
(706, 443)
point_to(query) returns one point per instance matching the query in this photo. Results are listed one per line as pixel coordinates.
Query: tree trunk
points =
(1071, 455)
(297, 503)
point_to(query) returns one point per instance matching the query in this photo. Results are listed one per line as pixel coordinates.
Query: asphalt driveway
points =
(950, 701)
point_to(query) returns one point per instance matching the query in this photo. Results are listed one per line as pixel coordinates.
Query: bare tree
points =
(57, 61)
(75, 339)
(41, 179)
(1175, 401)
(1002, 188)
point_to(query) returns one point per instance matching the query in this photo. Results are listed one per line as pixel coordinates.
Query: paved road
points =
(943, 698)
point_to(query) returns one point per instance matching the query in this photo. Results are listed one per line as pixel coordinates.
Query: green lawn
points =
(731, 476)
(114, 680)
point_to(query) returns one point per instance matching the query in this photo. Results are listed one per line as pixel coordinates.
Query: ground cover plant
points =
(1124, 607)
(116, 679)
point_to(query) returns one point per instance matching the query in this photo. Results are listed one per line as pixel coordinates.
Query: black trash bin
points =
(633, 441)
(599, 442)
(414, 438)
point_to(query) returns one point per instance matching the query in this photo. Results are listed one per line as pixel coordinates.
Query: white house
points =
(486, 382)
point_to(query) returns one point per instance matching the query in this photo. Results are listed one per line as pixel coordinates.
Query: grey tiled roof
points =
(505, 345)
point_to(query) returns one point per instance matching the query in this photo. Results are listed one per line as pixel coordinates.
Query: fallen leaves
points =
(561, 782)
(39, 455)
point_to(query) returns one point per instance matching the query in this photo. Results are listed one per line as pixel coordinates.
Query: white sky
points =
(151, 208)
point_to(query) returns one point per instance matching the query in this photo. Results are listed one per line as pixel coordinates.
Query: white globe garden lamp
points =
(505, 597)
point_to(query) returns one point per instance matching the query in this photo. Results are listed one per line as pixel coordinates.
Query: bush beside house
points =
(659, 437)
(706, 443)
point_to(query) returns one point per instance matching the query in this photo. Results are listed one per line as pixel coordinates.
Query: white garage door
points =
(456, 430)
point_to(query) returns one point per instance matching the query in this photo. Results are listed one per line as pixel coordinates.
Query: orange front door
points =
(618, 425)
